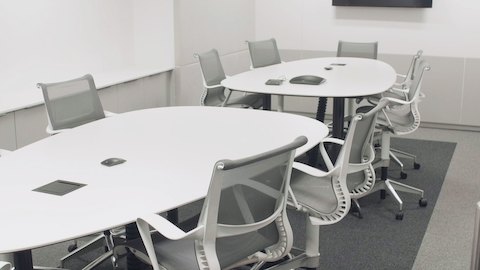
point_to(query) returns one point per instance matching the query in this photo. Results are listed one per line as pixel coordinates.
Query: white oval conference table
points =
(348, 77)
(170, 153)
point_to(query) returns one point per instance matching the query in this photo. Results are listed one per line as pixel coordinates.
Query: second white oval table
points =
(349, 77)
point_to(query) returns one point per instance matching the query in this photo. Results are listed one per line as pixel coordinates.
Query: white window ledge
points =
(20, 95)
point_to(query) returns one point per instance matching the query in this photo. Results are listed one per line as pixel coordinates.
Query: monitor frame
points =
(384, 3)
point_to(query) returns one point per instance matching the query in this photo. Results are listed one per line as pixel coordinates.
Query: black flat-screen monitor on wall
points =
(384, 3)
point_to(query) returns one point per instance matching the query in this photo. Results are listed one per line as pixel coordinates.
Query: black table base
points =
(23, 259)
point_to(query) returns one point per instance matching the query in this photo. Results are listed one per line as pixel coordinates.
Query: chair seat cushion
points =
(355, 179)
(392, 94)
(314, 193)
(170, 254)
(181, 254)
(253, 100)
(400, 117)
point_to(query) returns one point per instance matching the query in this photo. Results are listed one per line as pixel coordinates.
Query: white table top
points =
(170, 154)
(359, 77)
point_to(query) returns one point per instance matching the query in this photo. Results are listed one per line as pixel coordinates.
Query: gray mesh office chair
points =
(399, 118)
(243, 220)
(360, 50)
(405, 80)
(214, 92)
(361, 174)
(5, 266)
(71, 103)
(401, 91)
(325, 197)
(357, 49)
(263, 53)
(402, 85)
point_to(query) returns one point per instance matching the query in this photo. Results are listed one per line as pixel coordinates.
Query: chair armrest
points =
(333, 140)
(109, 114)
(211, 86)
(227, 97)
(400, 80)
(356, 167)
(165, 227)
(398, 101)
(401, 90)
(324, 153)
(51, 131)
(309, 170)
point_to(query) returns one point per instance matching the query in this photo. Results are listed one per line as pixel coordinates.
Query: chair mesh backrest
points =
(213, 74)
(361, 144)
(243, 194)
(416, 84)
(362, 137)
(264, 53)
(72, 103)
(357, 49)
(212, 68)
(413, 66)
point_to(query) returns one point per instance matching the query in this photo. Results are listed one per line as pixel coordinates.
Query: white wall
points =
(153, 30)
(203, 25)
(447, 33)
(50, 39)
(450, 28)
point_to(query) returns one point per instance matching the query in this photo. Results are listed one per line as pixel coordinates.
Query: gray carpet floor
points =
(377, 241)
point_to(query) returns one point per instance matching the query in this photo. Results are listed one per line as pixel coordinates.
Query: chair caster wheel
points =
(399, 216)
(416, 166)
(403, 175)
(422, 202)
(72, 247)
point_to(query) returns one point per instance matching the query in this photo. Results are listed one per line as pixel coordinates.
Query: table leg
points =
(338, 116)
(172, 216)
(23, 260)
(131, 232)
(280, 104)
(337, 128)
(385, 160)
(267, 102)
(320, 116)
